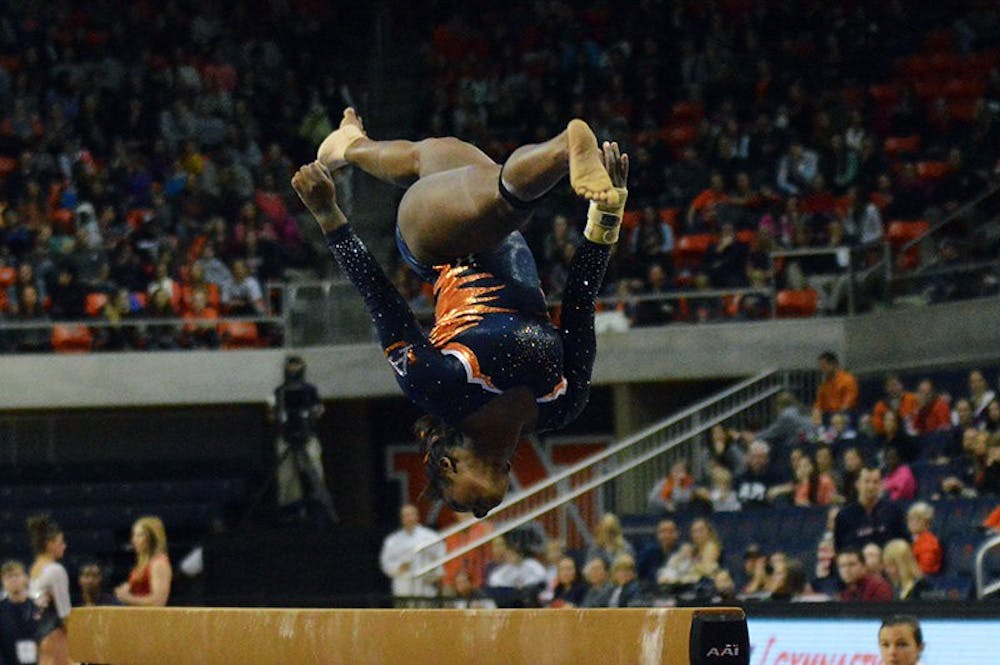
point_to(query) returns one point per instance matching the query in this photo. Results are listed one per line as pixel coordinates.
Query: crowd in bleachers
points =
(752, 126)
(879, 500)
(145, 157)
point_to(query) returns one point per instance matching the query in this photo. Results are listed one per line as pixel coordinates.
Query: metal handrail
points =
(42, 324)
(983, 589)
(950, 218)
(593, 460)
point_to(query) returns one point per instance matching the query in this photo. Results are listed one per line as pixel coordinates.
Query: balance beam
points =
(210, 636)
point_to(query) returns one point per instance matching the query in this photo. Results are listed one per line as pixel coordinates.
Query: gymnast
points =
(494, 366)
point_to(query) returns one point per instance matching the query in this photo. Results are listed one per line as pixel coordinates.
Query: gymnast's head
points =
(456, 472)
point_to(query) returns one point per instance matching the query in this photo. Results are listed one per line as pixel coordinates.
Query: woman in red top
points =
(149, 582)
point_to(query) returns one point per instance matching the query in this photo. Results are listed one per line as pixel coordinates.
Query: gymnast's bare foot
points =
(587, 174)
(331, 153)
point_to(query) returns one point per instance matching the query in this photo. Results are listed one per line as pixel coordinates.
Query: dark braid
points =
(435, 438)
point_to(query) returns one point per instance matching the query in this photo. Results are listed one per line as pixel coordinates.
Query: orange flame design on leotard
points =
(458, 306)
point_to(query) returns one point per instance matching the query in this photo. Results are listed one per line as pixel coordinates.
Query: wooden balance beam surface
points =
(204, 636)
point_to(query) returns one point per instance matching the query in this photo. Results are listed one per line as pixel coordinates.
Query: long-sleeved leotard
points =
(491, 330)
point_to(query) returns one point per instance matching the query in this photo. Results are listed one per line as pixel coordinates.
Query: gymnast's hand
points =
(615, 163)
(315, 187)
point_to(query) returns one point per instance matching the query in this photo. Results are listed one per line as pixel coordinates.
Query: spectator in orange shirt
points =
(839, 389)
(926, 547)
(933, 413)
(901, 402)
(199, 333)
(703, 206)
(472, 563)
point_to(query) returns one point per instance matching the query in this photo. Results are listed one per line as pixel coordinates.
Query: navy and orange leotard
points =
(491, 331)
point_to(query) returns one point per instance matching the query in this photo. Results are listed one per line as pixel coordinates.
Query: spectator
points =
(898, 482)
(30, 310)
(724, 449)
(859, 584)
(790, 428)
(199, 331)
(980, 395)
(797, 169)
(721, 496)
(656, 309)
(405, 551)
(825, 579)
(932, 414)
(569, 590)
(18, 617)
(91, 582)
(161, 336)
(149, 582)
(989, 483)
(703, 211)
(991, 423)
(473, 563)
(753, 486)
(901, 568)
(757, 570)
(927, 550)
(872, 556)
(839, 390)
(812, 488)
(852, 463)
(49, 586)
(673, 493)
(609, 543)
(116, 336)
(726, 259)
(600, 588)
(870, 518)
(68, 295)
(652, 241)
(469, 596)
(895, 437)
(791, 582)
(243, 295)
(626, 591)
(725, 588)
(897, 400)
(515, 568)
(706, 548)
(654, 555)
(840, 434)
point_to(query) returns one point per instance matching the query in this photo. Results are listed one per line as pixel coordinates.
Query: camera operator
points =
(296, 408)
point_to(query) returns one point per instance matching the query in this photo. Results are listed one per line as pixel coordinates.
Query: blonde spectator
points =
(721, 495)
(626, 591)
(902, 570)
(609, 543)
(149, 582)
(926, 547)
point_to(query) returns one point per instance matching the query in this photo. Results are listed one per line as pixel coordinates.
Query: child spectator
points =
(898, 481)
(926, 549)
(674, 492)
(18, 617)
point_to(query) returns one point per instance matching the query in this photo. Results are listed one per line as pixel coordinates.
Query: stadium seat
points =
(687, 111)
(7, 166)
(939, 40)
(95, 303)
(7, 276)
(690, 249)
(239, 335)
(884, 95)
(932, 170)
(797, 303)
(631, 219)
(901, 232)
(670, 216)
(73, 338)
(965, 89)
(679, 136)
(897, 145)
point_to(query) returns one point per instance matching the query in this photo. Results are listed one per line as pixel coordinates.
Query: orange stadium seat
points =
(687, 112)
(932, 170)
(7, 166)
(901, 232)
(691, 249)
(884, 95)
(7, 276)
(679, 136)
(670, 216)
(631, 219)
(95, 303)
(896, 145)
(71, 338)
(797, 302)
(239, 335)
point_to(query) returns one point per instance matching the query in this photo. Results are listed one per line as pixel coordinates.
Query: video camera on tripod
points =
(296, 404)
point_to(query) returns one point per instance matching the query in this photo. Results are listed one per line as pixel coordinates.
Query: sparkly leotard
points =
(491, 330)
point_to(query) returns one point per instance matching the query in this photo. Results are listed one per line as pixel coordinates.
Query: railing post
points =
(850, 282)
(887, 277)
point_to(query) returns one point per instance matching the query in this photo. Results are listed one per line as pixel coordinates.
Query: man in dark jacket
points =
(870, 519)
(627, 590)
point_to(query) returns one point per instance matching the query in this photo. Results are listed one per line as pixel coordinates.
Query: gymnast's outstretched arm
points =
(423, 372)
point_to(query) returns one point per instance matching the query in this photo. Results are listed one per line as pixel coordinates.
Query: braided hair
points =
(435, 438)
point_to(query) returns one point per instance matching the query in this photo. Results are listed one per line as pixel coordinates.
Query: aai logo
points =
(727, 650)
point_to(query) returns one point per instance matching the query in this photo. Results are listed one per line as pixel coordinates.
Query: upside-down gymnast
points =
(494, 366)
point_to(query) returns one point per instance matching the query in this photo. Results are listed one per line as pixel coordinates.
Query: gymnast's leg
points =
(454, 205)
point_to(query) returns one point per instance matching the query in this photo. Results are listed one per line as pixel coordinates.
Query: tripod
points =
(309, 478)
